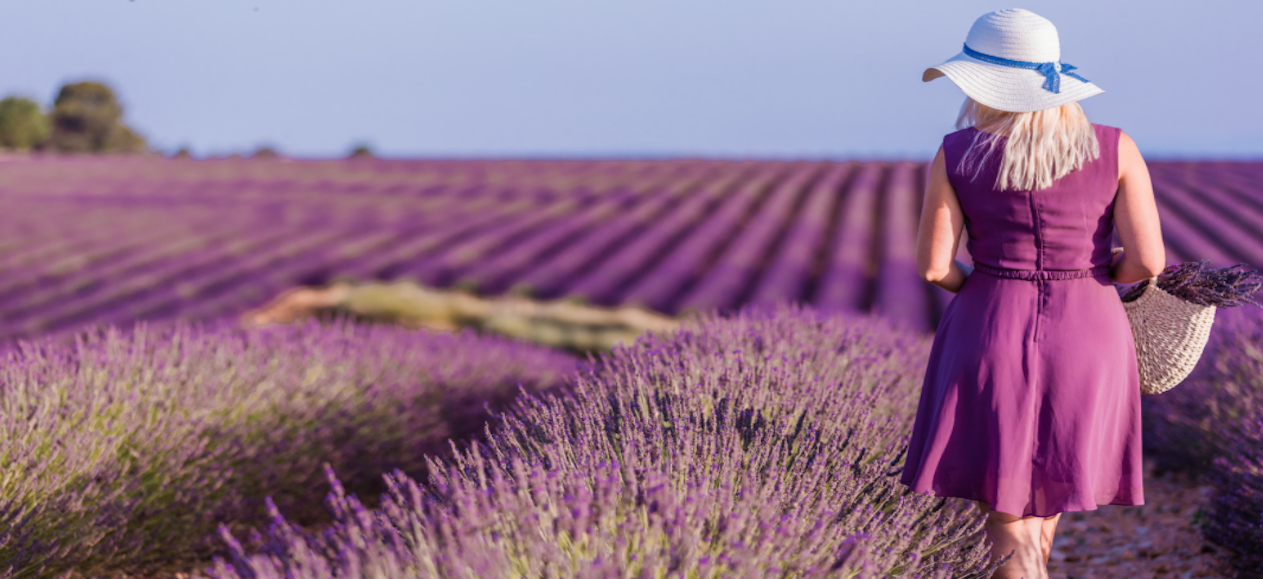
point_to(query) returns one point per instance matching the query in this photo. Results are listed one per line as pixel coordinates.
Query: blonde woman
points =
(1031, 399)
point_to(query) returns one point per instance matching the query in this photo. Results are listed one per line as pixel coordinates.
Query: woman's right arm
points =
(938, 235)
(1136, 216)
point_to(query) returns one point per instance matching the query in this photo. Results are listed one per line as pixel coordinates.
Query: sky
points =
(618, 78)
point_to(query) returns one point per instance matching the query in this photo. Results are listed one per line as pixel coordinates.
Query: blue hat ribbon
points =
(1050, 70)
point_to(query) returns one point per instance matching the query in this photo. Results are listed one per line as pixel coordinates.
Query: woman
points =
(1031, 399)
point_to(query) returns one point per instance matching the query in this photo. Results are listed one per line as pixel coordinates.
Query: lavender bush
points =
(768, 443)
(1236, 505)
(1232, 394)
(1213, 425)
(1187, 427)
(126, 449)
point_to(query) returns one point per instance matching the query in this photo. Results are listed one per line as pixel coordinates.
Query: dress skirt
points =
(1031, 398)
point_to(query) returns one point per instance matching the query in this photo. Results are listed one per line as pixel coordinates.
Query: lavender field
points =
(127, 448)
(752, 446)
(89, 241)
(759, 439)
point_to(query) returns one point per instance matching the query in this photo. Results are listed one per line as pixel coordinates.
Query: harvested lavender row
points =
(133, 445)
(1195, 281)
(765, 443)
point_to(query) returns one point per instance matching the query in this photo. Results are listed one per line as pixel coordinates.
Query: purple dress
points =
(1031, 398)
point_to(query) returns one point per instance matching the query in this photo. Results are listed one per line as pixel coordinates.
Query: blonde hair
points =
(1042, 146)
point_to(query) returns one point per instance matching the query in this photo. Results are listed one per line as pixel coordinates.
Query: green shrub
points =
(87, 118)
(23, 125)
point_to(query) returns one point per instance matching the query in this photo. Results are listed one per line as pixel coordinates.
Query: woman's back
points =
(1071, 223)
(1031, 398)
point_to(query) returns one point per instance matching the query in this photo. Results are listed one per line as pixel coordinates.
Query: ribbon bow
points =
(1052, 71)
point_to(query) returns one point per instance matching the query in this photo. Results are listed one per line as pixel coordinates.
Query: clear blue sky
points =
(785, 78)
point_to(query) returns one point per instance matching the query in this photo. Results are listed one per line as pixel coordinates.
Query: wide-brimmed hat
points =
(1012, 62)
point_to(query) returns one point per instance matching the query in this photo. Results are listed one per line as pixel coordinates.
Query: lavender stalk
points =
(1197, 282)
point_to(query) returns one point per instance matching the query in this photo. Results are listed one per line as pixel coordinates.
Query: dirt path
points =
(1159, 539)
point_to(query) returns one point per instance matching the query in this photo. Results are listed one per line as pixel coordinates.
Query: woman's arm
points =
(939, 234)
(1136, 216)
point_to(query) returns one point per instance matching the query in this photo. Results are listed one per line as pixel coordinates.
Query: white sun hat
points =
(1012, 62)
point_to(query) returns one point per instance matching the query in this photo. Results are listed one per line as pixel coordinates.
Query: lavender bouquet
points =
(1197, 282)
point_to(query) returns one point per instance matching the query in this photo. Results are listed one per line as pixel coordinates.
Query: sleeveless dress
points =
(1031, 396)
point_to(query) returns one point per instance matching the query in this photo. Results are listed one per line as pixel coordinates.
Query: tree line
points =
(86, 117)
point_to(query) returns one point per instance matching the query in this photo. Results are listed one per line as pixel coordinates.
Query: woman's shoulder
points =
(955, 146)
(1111, 135)
(964, 135)
(1107, 129)
(967, 131)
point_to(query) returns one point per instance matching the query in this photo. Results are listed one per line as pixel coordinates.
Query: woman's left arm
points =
(939, 234)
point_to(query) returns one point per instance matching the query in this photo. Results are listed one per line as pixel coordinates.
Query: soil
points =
(1162, 538)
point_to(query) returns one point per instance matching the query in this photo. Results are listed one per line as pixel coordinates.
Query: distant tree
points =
(182, 153)
(266, 152)
(361, 151)
(87, 118)
(23, 126)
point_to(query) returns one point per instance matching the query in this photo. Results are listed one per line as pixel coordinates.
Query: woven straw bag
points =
(1170, 334)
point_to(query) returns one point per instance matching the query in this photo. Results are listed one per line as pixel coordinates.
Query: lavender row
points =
(844, 278)
(194, 269)
(901, 292)
(789, 272)
(753, 445)
(81, 236)
(604, 283)
(692, 254)
(726, 279)
(161, 273)
(594, 253)
(134, 445)
(495, 273)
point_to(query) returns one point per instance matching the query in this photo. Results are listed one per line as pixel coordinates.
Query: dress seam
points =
(1035, 402)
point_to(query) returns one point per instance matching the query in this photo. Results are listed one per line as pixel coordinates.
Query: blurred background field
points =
(116, 239)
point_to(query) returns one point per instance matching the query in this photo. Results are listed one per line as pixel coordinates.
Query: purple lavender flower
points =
(760, 443)
(1225, 287)
(133, 445)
